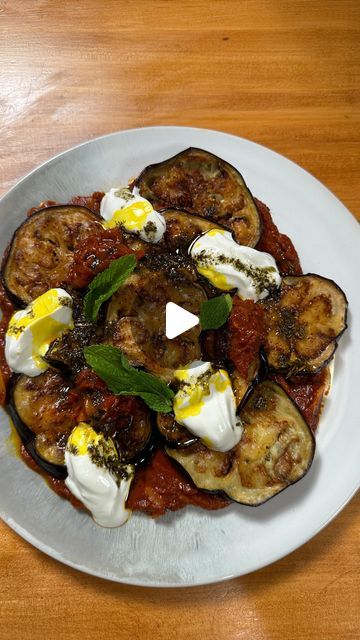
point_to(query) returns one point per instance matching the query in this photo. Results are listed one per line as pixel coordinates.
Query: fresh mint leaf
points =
(215, 312)
(106, 283)
(122, 378)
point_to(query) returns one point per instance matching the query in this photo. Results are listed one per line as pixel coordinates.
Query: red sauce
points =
(91, 202)
(57, 485)
(307, 392)
(278, 244)
(110, 410)
(7, 309)
(42, 205)
(246, 329)
(162, 486)
(94, 254)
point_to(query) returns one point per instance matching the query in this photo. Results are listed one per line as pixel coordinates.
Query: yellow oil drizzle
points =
(217, 279)
(215, 232)
(83, 437)
(133, 217)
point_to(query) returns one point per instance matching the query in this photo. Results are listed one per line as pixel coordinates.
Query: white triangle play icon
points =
(178, 320)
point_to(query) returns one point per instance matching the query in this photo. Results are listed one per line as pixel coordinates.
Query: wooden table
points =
(284, 74)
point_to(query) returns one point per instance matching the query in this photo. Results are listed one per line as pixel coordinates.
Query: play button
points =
(178, 320)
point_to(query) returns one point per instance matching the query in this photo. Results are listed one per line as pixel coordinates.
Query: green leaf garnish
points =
(106, 283)
(114, 369)
(215, 312)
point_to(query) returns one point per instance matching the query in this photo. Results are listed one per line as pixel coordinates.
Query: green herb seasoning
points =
(260, 276)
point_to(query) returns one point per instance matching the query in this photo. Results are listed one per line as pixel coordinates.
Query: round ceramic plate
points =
(193, 546)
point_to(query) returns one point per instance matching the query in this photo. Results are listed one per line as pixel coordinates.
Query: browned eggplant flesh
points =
(304, 323)
(275, 451)
(135, 320)
(49, 407)
(175, 434)
(42, 248)
(131, 432)
(182, 228)
(204, 184)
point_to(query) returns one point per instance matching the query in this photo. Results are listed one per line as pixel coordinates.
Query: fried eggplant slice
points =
(303, 324)
(48, 407)
(129, 427)
(276, 450)
(42, 249)
(201, 183)
(182, 228)
(135, 321)
(175, 434)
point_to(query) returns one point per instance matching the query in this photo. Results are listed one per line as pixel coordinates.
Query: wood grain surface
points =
(284, 74)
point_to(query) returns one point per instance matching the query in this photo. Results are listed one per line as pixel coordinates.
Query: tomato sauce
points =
(91, 202)
(56, 484)
(246, 331)
(162, 486)
(94, 254)
(278, 244)
(307, 392)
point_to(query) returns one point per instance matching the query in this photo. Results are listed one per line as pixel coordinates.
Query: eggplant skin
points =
(173, 433)
(45, 410)
(304, 323)
(28, 438)
(41, 250)
(276, 450)
(201, 183)
(183, 227)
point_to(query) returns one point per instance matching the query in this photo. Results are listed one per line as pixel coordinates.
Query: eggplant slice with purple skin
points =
(201, 183)
(174, 434)
(304, 323)
(135, 321)
(276, 450)
(44, 409)
(182, 228)
(41, 250)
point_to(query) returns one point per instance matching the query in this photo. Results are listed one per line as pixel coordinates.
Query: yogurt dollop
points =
(205, 404)
(31, 331)
(229, 265)
(96, 477)
(121, 207)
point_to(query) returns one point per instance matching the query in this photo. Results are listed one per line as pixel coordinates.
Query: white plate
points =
(193, 546)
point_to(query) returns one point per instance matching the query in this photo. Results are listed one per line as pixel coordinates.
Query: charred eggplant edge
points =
(334, 341)
(153, 165)
(27, 437)
(169, 451)
(174, 444)
(7, 253)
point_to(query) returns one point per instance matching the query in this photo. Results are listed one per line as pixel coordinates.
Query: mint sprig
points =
(215, 312)
(122, 378)
(106, 283)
